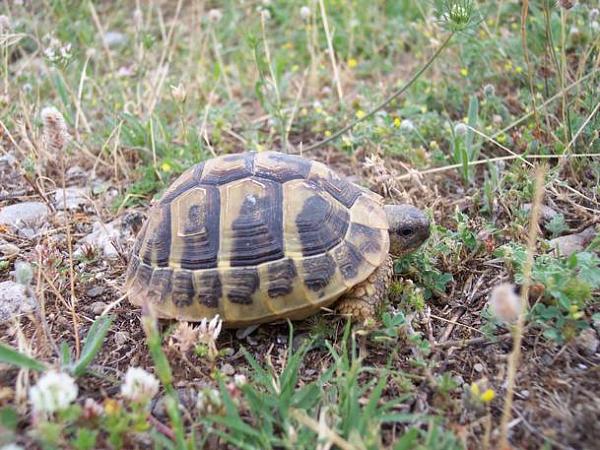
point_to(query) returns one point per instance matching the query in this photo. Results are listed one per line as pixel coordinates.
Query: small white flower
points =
(504, 303)
(407, 125)
(178, 92)
(305, 13)
(4, 24)
(209, 331)
(595, 26)
(239, 380)
(139, 386)
(215, 15)
(460, 129)
(54, 391)
(208, 401)
(594, 13)
(55, 133)
(265, 14)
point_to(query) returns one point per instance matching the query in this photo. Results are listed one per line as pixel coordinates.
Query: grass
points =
(450, 105)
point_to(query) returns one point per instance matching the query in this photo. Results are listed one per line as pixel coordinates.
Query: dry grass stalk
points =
(55, 139)
(513, 360)
(336, 73)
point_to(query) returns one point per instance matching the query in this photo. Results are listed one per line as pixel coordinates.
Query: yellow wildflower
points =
(464, 71)
(352, 63)
(327, 133)
(165, 167)
(519, 69)
(487, 396)
(397, 122)
(360, 114)
(475, 390)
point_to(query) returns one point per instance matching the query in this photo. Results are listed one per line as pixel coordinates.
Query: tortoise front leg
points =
(362, 300)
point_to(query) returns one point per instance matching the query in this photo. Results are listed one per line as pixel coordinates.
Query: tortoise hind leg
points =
(362, 300)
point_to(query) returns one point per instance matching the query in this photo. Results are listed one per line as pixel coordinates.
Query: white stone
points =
(573, 243)
(102, 237)
(24, 215)
(15, 299)
(75, 198)
(114, 38)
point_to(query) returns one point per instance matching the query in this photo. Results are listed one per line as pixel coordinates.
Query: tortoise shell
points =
(255, 237)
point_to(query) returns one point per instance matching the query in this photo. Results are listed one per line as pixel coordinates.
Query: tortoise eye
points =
(406, 231)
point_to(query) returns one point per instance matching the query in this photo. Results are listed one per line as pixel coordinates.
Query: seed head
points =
(215, 15)
(139, 386)
(460, 129)
(305, 13)
(489, 90)
(185, 337)
(55, 134)
(54, 391)
(504, 303)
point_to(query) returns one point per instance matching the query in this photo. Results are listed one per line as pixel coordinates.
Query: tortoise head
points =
(408, 227)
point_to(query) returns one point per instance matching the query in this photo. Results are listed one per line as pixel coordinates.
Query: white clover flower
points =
(407, 125)
(215, 15)
(504, 303)
(55, 133)
(54, 391)
(239, 380)
(139, 386)
(460, 129)
(265, 14)
(208, 401)
(305, 13)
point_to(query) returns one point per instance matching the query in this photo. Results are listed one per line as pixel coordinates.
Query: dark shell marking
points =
(241, 284)
(281, 278)
(204, 241)
(257, 232)
(320, 226)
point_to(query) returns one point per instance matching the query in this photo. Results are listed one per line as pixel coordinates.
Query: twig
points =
(387, 101)
(513, 360)
(336, 74)
(472, 341)
(315, 426)
(161, 427)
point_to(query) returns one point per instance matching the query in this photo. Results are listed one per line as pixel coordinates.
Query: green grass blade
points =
(93, 343)
(13, 357)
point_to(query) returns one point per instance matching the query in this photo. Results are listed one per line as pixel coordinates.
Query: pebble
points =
(15, 299)
(102, 237)
(96, 291)
(478, 367)
(7, 250)
(24, 215)
(121, 338)
(97, 307)
(75, 198)
(227, 369)
(573, 243)
(587, 342)
(114, 38)
(546, 212)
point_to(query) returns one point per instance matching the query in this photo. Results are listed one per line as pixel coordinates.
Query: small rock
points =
(7, 161)
(96, 291)
(97, 307)
(524, 394)
(546, 212)
(114, 38)
(24, 215)
(76, 173)
(187, 400)
(478, 367)
(74, 198)
(587, 342)
(15, 299)
(7, 250)
(121, 338)
(102, 237)
(227, 369)
(573, 243)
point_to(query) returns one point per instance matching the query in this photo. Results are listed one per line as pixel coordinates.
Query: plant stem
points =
(387, 101)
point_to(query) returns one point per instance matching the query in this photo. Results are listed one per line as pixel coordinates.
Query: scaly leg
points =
(362, 300)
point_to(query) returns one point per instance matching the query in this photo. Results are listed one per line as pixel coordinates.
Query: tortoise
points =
(256, 237)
